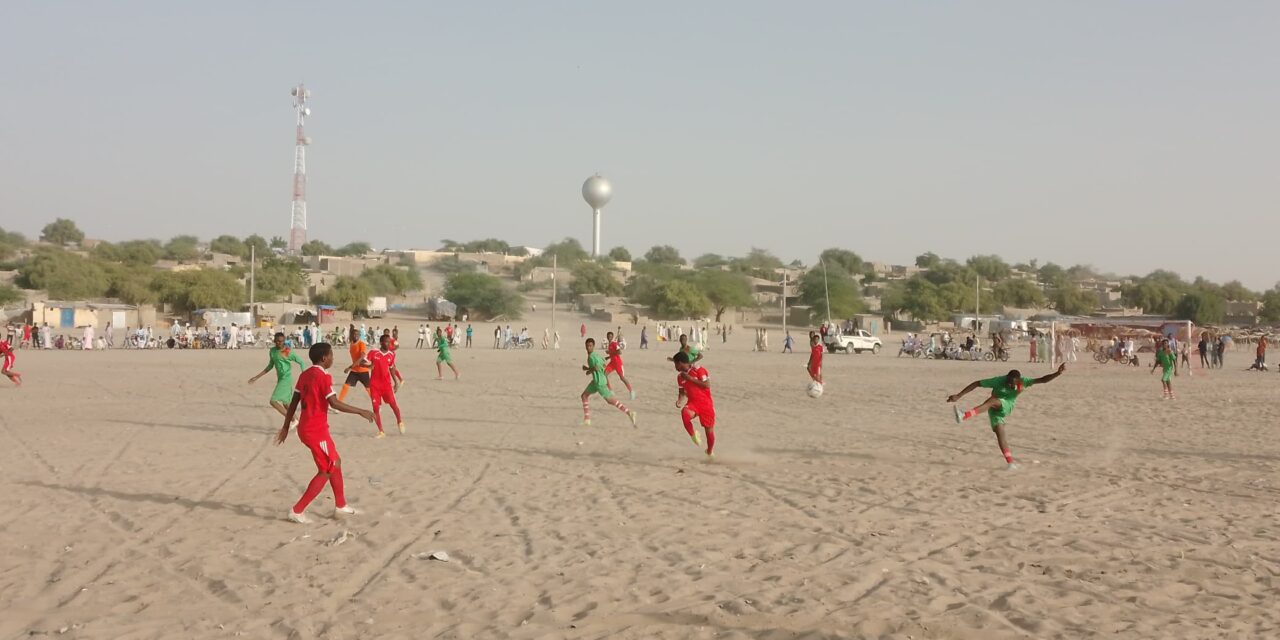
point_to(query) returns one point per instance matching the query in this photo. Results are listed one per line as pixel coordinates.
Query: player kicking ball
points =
(1004, 394)
(694, 400)
(314, 394)
(599, 384)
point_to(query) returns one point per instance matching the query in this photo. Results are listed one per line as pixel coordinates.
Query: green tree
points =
(1157, 294)
(568, 251)
(353, 249)
(664, 254)
(10, 243)
(1202, 307)
(261, 248)
(1072, 301)
(710, 261)
(10, 294)
(64, 275)
(620, 254)
(229, 245)
(316, 248)
(928, 260)
(846, 297)
(386, 279)
(488, 245)
(277, 279)
(183, 249)
(758, 263)
(1271, 305)
(680, 299)
(348, 294)
(723, 289)
(1052, 275)
(1019, 293)
(916, 296)
(279, 243)
(200, 289)
(990, 267)
(62, 232)
(481, 293)
(1237, 292)
(847, 260)
(592, 277)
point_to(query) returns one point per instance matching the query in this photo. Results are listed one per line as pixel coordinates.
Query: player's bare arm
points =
(1062, 368)
(339, 405)
(972, 385)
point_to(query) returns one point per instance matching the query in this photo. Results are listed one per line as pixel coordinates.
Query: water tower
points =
(596, 191)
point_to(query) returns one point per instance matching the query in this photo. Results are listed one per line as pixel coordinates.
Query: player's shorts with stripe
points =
(323, 451)
(705, 412)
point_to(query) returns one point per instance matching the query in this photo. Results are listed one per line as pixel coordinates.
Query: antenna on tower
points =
(298, 224)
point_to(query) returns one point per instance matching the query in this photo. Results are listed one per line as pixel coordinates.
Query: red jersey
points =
(315, 386)
(614, 351)
(815, 358)
(5, 349)
(381, 362)
(697, 395)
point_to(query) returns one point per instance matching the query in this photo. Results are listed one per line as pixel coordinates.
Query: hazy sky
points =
(1129, 135)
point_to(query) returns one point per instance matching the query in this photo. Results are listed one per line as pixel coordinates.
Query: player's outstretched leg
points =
(586, 410)
(623, 408)
(961, 416)
(686, 415)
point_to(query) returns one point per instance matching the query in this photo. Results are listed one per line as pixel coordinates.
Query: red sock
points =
(313, 489)
(621, 407)
(339, 496)
(395, 408)
(711, 439)
(1008, 457)
(687, 416)
(586, 409)
(969, 414)
(377, 417)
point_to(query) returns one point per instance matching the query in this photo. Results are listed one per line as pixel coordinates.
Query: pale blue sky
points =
(1130, 135)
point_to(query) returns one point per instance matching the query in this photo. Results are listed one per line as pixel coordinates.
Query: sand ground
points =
(145, 500)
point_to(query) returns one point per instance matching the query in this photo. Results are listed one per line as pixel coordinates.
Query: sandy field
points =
(144, 499)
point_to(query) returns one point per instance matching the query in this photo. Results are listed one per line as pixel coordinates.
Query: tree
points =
(680, 299)
(62, 232)
(710, 261)
(131, 283)
(1052, 275)
(568, 252)
(481, 293)
(1019, 293)
(277, 279)
(922, 299)
(200, 289)
(353, 249)
(1072, 301)
(386, 279)
(278, 243)
(1271, 306)
(229, 245)
(847, 260)
(183, 249)
(348, 294)
(1156, 294)
(261, 249)
(1237, 292)
(928, 260)
(990, 267)
(758, 263)
(664, 254)
(64, 275)
(488, 245)
(10, 294)
(1202, 307)
(723, 289)
(846, 298)
(620, 254)
(10, 243)
(592, 277)
(316, 248)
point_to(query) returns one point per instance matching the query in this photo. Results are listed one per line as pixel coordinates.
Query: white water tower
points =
(596, 191)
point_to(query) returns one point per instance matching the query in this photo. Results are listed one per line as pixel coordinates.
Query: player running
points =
(614, 365)
(1004, 394)
(6, 352)
(694, 399)
(382, 384)
(443, 357)
(357, 372)
(282, 359)
(815, 357)
(599, 384)
(315, 395)
(1165, 358)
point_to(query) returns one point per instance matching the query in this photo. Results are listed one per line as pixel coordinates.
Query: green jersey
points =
(1166, 359)
(1000, 387)
(442, 345)
(283, 363)
(595, 362)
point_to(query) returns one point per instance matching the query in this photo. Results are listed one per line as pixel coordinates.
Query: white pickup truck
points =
(857, 342)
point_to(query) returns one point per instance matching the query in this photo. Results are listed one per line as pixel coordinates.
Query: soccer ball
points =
(815, 389)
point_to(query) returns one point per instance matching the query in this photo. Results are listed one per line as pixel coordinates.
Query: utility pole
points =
(783, 337)
(554, 285)
(826, 290)
(253, 282)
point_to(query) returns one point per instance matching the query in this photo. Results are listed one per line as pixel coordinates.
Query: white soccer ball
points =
(815, 389)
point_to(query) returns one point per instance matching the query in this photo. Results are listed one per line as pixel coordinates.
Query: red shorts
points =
(705, 411)
(8, 362)
(323, 451)
(614, 366)
(381, 395)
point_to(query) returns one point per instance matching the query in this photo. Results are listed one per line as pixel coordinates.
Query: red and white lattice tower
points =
(298, 226)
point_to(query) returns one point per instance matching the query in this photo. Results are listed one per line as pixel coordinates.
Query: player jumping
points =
(599, 384)
(694, 399)
(1004, 394)
(315, 395)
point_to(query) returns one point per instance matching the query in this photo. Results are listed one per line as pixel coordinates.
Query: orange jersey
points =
(358, 351)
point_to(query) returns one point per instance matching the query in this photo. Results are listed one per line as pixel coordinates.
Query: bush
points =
(483, 294)
(65, 276)
(62, 232)
(680, 299)
(348, 294)
(591, 277)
